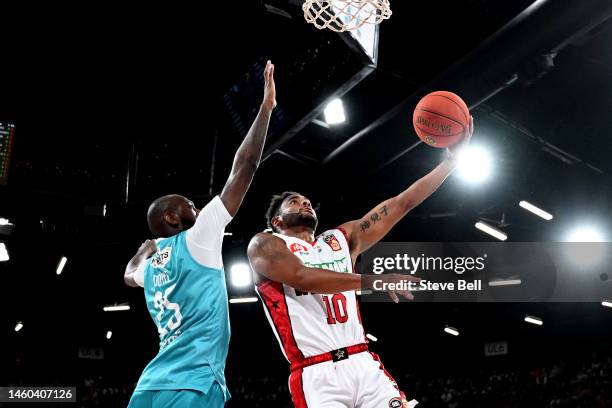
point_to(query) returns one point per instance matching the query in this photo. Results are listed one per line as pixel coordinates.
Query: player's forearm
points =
(425, 186)
(135, 262)
(323, 281)
(131, 268)
(249, 153)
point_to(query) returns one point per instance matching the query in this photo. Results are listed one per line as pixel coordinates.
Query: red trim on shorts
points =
(296, 387)
(323, 357)
(382, 367)
(272, 293)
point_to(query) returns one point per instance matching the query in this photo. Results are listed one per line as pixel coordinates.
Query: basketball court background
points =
(114, 107)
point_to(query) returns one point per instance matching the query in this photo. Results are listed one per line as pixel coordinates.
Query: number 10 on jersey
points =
(336, 308)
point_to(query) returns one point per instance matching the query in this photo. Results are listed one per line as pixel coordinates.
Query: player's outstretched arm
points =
(248, 156)
(148, 248)
(371, 228)
(270, 257)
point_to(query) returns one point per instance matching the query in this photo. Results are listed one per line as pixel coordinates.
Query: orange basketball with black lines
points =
(441, 119)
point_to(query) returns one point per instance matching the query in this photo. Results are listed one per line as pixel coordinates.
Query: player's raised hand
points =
(454, 150)
(269, 100)
(148, 248)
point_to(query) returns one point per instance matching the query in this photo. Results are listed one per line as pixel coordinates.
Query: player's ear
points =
(277, 222)
(172, 219)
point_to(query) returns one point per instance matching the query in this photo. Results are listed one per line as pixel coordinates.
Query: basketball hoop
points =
(345, 15)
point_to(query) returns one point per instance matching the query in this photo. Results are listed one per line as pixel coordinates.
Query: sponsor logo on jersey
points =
(295, 247)
(395, 403)
(161, 258)
(332, 241)
(337, 265)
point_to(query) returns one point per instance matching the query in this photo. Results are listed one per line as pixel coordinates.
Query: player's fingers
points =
(267, 71)
(393, 296)
(406, 294)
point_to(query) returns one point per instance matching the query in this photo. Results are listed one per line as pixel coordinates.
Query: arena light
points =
(606, 303)
(505, 282)
(585, 234)
(60, 266)
(334, 112)
(474, 164)
(535, 210)
(109, 334)
(116, 308)
(588, 248)
(243, 300)
(240, 275)
(451, 330)
(18, 326)
(494, 232)
(373, 338)
(6, 227)
(534, 320)
(4, 256)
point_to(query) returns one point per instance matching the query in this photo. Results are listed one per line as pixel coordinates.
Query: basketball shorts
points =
(360, 381)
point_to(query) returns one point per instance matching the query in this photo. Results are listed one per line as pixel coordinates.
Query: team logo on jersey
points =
(298, 248)
(332, 241)
(395, 403)
(161, 258)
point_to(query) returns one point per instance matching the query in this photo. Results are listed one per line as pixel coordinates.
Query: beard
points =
(300, 219)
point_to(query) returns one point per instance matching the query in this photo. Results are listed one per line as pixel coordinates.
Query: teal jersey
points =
(188, 303)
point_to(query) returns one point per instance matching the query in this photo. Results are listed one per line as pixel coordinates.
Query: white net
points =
(345, 15)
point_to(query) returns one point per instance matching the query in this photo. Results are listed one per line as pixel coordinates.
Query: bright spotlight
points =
(535, 210)
(474, 164)
(4, 256)
(240, 275)
(334, 112)
(243, 300)
(18, 326)
(60, 266)
(534, 320)
(451, 330)
(494, 232)
(585, 234)
(109, 334)
(116, 308)
(371, 337)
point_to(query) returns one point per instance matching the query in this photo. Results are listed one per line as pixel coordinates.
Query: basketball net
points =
(345, 15)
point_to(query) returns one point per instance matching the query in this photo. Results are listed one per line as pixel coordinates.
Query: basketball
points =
(441, 118)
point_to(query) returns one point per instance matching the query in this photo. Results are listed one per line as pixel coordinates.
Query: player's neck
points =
(301, 232)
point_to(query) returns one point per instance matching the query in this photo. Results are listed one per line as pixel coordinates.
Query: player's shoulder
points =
(263, 241)
(338, 231)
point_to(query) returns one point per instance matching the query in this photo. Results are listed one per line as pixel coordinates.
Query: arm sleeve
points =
(139, 274)
(205, 238)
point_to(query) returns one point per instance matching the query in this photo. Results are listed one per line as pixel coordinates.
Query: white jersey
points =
(308, 324)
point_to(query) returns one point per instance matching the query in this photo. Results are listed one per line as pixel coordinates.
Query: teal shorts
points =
(178, 398)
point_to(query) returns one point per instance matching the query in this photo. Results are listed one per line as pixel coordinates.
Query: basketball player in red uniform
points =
(307, 285)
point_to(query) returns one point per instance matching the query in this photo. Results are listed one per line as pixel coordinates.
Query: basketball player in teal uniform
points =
(184, 283)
